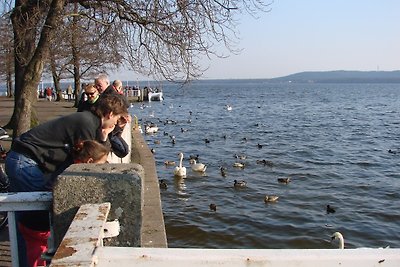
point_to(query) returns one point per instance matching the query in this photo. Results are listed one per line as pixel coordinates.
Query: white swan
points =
(338, 236)
(180, 171)
(150, 129)
(198, 167)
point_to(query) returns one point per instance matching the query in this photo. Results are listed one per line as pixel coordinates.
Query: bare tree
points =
(163, 38)
(6, 53)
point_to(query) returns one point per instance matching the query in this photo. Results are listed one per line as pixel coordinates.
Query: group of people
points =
(39, 155)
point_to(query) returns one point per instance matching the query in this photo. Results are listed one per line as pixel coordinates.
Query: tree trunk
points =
(9, 84)
(76, 58)
(56, 77)
(26, 83)
(57, 88)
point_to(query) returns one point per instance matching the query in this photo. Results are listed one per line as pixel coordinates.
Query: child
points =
(90, 151)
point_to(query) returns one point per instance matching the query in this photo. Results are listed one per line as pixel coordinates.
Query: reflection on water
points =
(332, 140)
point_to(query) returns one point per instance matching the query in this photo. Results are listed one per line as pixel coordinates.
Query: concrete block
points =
(119, 184)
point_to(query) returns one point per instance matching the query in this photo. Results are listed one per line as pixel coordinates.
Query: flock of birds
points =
(180, 170)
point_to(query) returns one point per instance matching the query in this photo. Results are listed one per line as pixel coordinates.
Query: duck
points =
(239, 184)
(198, 167)
(330, 209)
(163, 184)
(266, 163)
(238, 165)
(284, 180)
(259, 146)
(228, 107)
(338, 236)
(271, 198)
(169, 163)
(241, 157)
(180, 171)
(223, 171)
(195, 157)
(213, 207)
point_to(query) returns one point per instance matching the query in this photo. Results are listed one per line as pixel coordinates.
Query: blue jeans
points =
(26, 176)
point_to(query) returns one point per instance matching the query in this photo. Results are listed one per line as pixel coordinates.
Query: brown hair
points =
(84, 150)
(107, 103)
(90, 85)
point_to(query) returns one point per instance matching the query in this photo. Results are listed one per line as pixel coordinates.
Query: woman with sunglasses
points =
(92, 95)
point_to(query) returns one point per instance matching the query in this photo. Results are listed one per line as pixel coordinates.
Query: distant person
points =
(102, 84)
(69, 92)
(49, 94)
(117, 86)
(39, 155)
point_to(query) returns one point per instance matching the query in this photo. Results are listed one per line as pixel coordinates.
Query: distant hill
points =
(341, 76)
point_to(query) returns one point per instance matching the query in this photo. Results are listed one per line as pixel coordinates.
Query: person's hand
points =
(124, 120)
(105, 132)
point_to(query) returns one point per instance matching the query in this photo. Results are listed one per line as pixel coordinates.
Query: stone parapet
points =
(131, 188)
(119, 184)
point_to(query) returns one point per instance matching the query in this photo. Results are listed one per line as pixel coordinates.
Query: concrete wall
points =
(119, 184)
(131, 188)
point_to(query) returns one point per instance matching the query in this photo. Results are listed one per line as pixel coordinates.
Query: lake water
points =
(332, 140)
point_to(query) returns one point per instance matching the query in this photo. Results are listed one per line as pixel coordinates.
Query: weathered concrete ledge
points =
(152, 232)
(131, 188)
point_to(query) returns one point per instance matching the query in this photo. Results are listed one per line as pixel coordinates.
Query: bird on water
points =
(180, 171)
(338, 236)
(330, 209)
(239, 184)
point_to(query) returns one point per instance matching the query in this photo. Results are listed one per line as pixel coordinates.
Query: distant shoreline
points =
(338, 76)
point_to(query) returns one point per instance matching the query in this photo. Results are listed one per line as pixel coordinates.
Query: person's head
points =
(110, 108)
(90, 151)
(117, 84)
(102, 82)
(91, 93)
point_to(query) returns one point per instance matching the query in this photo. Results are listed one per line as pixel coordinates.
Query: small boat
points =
(155, 96)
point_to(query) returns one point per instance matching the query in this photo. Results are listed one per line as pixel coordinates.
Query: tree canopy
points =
(163, 39)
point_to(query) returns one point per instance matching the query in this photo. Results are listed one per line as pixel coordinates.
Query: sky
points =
(311, 35)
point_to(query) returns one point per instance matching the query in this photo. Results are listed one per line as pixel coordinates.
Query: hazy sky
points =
(314, 35)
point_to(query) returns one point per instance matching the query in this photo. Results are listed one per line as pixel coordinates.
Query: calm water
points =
(332, 140)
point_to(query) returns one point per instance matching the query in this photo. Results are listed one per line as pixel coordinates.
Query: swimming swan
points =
(338, 236)
(180, 171)
(198, 167)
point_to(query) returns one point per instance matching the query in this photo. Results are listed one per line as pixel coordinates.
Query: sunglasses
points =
(90, 94)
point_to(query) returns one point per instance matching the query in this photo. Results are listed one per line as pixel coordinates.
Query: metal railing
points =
(23, 201)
